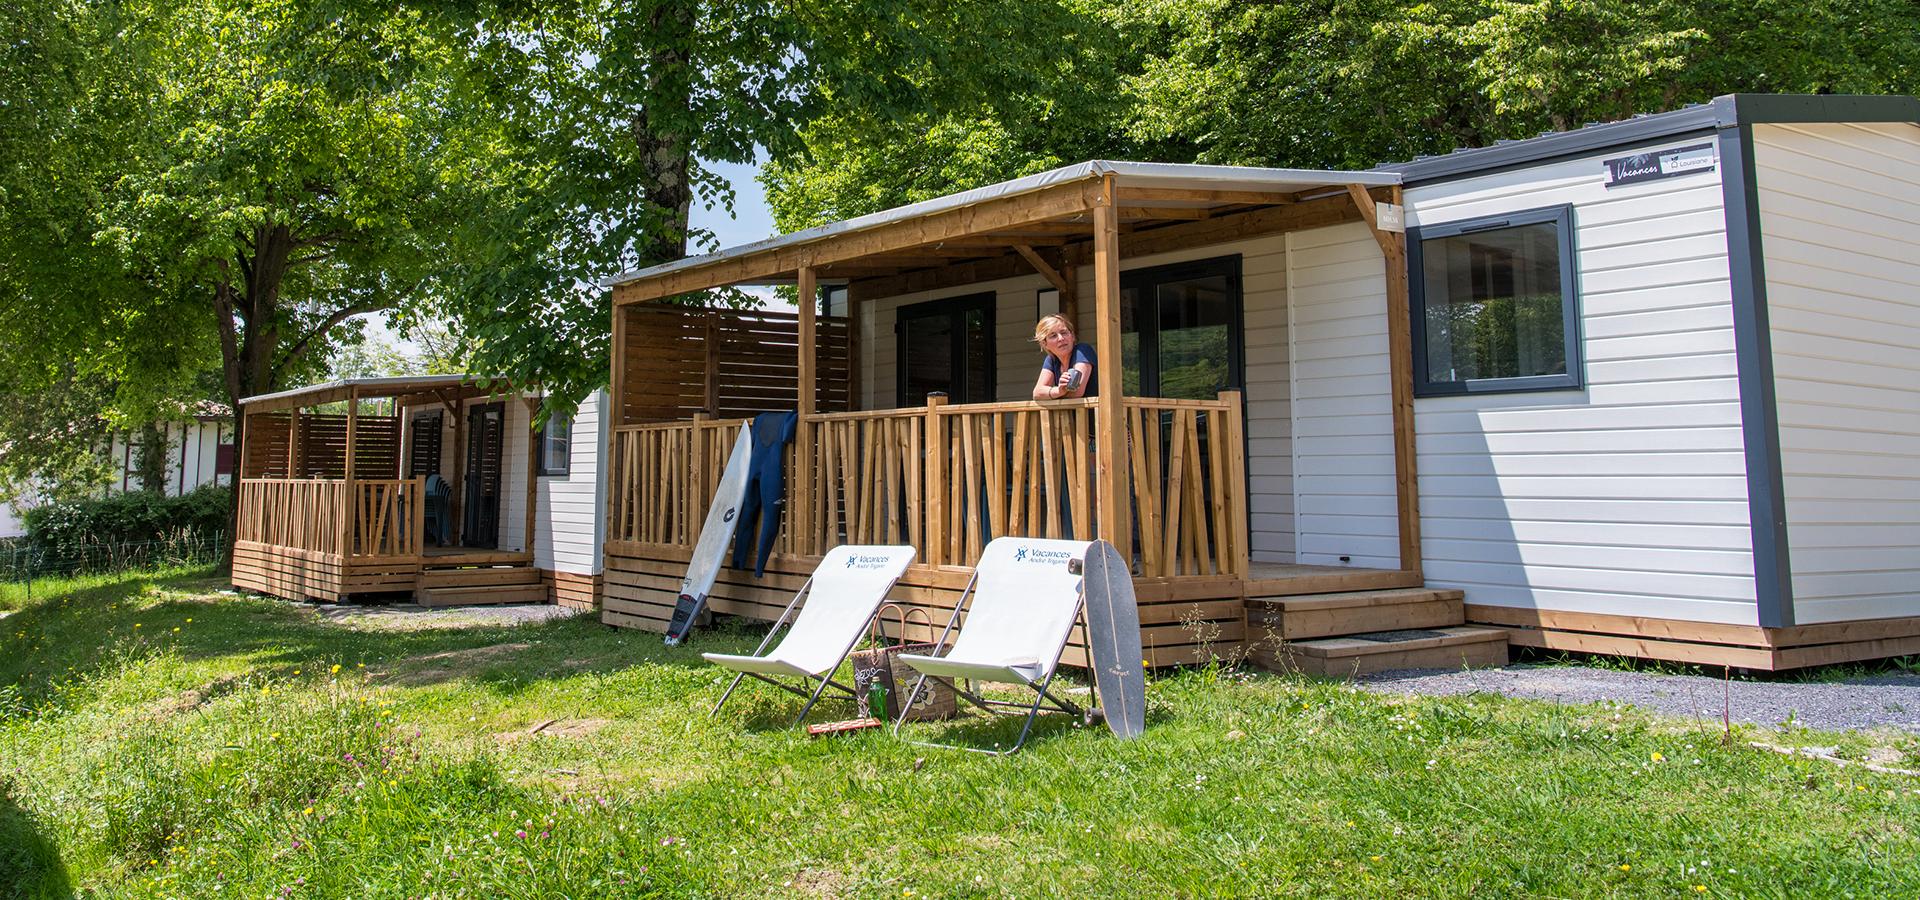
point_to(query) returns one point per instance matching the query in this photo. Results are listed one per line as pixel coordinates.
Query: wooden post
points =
(353, 507)
(534, 453)
(935, 491)
(1393, 252)
(1109, 435)
(854, 374)
(612, 416)
(293, 443)
(1235, 443)
(458, 495)
(800, 515)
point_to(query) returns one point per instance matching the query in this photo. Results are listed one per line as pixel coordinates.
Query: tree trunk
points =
(248, 312)
(150, 459)
(665, 149)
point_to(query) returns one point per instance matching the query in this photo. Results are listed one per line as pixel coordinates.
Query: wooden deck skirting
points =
(572, 589)
(1704, 643)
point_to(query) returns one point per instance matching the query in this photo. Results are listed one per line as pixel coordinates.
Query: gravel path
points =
(1876, 701)
(409, 617)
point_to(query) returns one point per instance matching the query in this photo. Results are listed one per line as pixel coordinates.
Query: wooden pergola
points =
(1053, 224)
(325, 507)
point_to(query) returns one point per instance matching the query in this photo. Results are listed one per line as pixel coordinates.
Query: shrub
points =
(59, 529)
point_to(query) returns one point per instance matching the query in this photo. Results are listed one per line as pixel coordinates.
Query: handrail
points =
(383, 518)
(948, 478)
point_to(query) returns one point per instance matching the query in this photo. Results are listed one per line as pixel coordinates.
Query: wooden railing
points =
(948, 479)
(297, 513)
(663, 476)
(1186, 460)
(388, 517)
(311, 514)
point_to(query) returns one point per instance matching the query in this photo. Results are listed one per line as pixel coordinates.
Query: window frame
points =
(540, 440)
(956, 308)
(1148, 326)
(1574, 377)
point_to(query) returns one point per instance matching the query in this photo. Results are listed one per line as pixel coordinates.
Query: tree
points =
(1352, 84)
(610, 108)
(1055, 102)
(218, 184)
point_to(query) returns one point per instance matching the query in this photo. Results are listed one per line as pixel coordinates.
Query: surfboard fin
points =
(684, 611)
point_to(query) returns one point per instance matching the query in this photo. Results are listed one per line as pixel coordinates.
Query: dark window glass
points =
(946, 346)
(556, 445)
(1493, 303)
(1179, 329)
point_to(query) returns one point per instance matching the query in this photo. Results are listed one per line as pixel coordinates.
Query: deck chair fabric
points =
(1023, 602)
(834, 608)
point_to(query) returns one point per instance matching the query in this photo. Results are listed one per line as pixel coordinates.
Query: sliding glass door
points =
(946, 346)
(1180, 329)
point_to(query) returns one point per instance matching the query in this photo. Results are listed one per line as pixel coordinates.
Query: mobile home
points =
(1645, 388)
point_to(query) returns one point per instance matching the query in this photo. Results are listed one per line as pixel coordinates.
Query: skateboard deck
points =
(1113, 639)
(715, 534)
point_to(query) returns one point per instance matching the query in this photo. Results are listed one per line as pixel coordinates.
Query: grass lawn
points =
(160, 739)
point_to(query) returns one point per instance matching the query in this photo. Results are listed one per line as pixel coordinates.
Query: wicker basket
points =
(882, 663)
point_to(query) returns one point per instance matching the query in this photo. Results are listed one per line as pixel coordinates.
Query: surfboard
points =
(715, 534)
(1113, 639)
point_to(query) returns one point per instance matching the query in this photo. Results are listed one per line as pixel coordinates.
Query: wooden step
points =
(484, 576)
(475, 596)
(1353, 612)
(1452, 647)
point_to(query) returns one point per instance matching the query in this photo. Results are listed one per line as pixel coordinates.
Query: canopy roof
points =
(447, 388)
(1024, 216)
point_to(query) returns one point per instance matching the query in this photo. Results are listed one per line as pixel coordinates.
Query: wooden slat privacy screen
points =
(681, 360)
(322, 451)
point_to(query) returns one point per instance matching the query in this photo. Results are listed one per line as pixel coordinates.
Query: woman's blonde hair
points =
(1046, 324)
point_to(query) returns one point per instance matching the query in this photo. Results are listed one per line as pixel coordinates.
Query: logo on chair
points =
(855, 560)
(1041, 555)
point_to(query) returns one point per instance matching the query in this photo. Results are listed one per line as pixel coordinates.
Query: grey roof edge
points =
(1721, 112)
(1095, 168)
(385, 381)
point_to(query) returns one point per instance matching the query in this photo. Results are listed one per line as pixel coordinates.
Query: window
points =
(946, 345)
(1494, 304)
(556, 444)
(1180, 329)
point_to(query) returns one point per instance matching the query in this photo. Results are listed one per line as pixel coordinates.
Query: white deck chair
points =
(840, 600)
(1026, 596)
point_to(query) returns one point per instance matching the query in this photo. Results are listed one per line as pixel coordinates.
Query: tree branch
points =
(301, 346)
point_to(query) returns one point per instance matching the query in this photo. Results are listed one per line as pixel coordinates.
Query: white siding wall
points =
(1840, 220)
(1017, 358)
(570, 513)
(1627, 497)
(190, 457)
(1342, 410)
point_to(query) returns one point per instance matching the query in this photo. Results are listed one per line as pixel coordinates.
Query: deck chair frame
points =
(825, 680)
(1041, 697)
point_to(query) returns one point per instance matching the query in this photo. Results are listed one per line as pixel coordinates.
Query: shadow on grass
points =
(30, 865)
(82, 633)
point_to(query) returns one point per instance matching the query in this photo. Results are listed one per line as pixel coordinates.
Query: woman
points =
(1067, 370)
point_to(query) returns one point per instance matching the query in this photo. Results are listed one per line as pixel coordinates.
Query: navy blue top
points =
(1082, 353)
